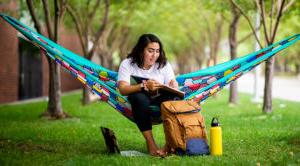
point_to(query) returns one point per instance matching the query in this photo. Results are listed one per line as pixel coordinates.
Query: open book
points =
(165, 90)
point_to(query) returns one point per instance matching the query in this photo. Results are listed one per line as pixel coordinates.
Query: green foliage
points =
(176, 21)
(83, 8)
(291, 55)
(249, 137)
(38, 8)
(172, 21)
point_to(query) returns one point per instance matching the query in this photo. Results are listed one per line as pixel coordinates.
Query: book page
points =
(173, 90)
(164, 90)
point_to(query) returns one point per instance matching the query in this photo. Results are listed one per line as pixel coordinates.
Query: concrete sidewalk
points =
(283, 87)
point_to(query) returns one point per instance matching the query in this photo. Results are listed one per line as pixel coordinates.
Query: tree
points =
(87, 30)
(233, 95)
(233, 42)
(290, 62)
(270, 30)
(113, 44)
(180, 29)
(214, 34)
(54, 109)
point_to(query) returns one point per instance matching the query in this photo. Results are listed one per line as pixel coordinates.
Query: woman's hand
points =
(173, 83)
(152, 85)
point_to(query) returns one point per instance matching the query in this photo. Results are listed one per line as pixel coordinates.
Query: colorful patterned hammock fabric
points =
(198, 85)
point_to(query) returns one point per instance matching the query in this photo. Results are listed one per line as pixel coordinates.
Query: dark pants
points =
(140, 103)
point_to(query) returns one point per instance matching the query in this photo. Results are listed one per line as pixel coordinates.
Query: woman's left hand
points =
(152, 85)
(173, 83)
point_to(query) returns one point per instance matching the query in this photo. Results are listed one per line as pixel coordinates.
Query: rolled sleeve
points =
(168, 73)
(124, 71)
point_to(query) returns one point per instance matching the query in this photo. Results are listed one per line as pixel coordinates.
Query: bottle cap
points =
(215, 122)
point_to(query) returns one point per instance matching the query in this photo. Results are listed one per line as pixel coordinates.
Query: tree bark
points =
(233, 92)
(269, 73)
(54, 108)
(286, 68)
(248, 20)
(297, 68)
(54, 104)
(269, 69)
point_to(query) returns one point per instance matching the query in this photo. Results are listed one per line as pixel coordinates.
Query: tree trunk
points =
(54, 109)
(182, 63)
(217, 39)
(286, 66)
(86, 95)
(297, 68)
(269, 72)
(199, 60)
(233, 93)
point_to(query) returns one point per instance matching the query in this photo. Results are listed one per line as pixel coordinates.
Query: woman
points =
(147, 59)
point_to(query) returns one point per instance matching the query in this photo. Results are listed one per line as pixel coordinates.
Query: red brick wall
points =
(9, 70)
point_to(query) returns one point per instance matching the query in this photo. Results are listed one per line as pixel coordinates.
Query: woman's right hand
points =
(152, 85)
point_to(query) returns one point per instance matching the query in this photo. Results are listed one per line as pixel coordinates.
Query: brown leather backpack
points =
(182, 121)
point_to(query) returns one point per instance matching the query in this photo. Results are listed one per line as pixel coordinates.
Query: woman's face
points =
(151, 53)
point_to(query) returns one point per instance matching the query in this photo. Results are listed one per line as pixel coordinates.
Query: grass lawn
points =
(249, 137)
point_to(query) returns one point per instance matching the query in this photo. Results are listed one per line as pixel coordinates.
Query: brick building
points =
(23, 71)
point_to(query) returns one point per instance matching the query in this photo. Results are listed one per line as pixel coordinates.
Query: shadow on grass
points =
(293, 140)
(28, 146)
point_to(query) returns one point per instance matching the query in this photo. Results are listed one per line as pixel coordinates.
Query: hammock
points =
(198, 85)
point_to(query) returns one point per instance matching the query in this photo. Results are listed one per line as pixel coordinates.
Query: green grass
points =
(249, 137)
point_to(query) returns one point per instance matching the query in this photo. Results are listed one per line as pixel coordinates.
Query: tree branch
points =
(248, 35)
(58, 11)
(288, 6)
(37, 24)
(271, 17)
(62, 6)
(92, 14)
(77, 26)
(101, 29)
(56, 20)
(261, 7)
(48, 18)
(249, 22)
(225, 18)
(279, 14)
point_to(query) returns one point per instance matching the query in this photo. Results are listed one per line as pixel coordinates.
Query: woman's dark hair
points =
(137, 53)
